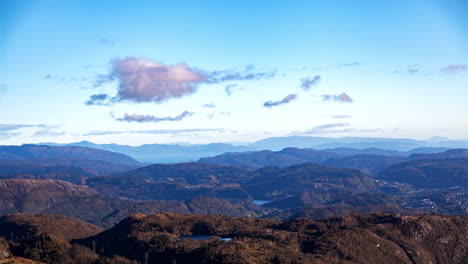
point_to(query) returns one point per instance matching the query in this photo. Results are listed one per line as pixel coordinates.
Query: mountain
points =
(90, 167)
(60, 197)
(177, 153)
(370, 164)
(284, 158)
(278, 143)
(430, 173)
(364, 203)
(69, 174)
(197, 205)
(271, 183)
(452, 153)
(380, 238)
(187, 180)
(53, 197)
(47, 152)
(21, 226)
(164, 153)
(343, 151)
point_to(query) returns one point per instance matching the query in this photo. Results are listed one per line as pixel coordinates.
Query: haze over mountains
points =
(173, 153)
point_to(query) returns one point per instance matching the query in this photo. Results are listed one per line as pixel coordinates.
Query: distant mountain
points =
(430, 173)
(59, 197)
(341, 158)
(164, 153)
(426, 150)
(284, 158)
(181, 182)
(88, 167)
(69, 174)
(47, 152)
(452, 153)
(367, 151)
(370, 164)
(176, 153)
(272, 183)
(278, 143)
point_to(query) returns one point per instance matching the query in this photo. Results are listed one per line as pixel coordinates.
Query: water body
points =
(202, 237)
(198, 237)
(261, 202)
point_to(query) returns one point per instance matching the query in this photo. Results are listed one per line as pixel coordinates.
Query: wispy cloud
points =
(228, 88)
(153, 119)
(155, 131)
(308, 82)
(248, 74)
(107, 41)
(454, 69)
(12, 130)
(11, 127)
(340, 116)
(8, 135)
(341, 98)
(412, 69)
(352, 64)
(222, 113)
(332, 128)
(99, 99)
(48, 131)
(210, 105)
(285, 100)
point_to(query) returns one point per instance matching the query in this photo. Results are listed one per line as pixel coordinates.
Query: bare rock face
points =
(4, 249)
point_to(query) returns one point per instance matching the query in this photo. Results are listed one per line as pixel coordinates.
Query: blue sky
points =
(231, 71)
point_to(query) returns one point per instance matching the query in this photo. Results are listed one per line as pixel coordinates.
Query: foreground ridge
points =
(169, 237)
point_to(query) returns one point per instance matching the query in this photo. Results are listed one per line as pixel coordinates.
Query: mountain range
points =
(175, 153)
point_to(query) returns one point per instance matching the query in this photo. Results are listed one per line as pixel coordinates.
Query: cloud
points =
(154, 119)
(307, 83)
(340, 116)
(210, 105)
(143, 80)
(248, 74)
(342, 98)
(155, 131)
(333, 128)
(8, 135)
(99, 99)
(454, 69)
(48, 132)
(325, 128)
(107, 41)
(10, 130)
(412, 69)
(11, 127)
(228, 89)
(222, 113)
(352, 64)
(285, 100)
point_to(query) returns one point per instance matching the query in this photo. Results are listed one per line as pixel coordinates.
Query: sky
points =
(140, 72)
